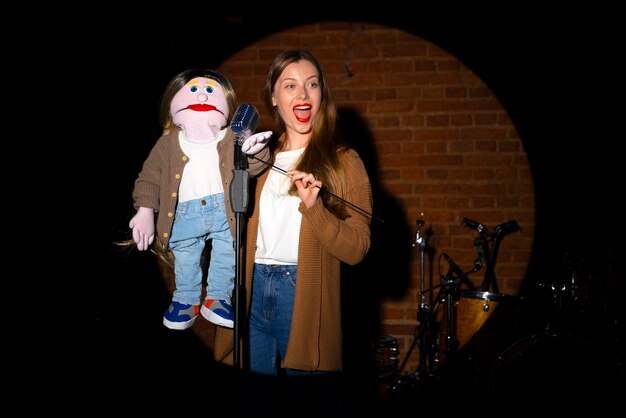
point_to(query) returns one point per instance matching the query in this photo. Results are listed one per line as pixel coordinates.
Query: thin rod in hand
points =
(326, 190)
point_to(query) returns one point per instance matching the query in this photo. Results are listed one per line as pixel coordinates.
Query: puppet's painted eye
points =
(193, 89)
(209, 89)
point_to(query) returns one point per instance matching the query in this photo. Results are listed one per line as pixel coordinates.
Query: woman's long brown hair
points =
(321, 156)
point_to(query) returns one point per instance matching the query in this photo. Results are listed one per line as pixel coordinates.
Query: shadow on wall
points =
(385, 270)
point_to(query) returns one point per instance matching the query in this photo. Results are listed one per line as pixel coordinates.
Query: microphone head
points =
(245, 121)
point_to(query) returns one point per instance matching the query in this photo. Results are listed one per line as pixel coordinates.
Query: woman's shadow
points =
(384, 273)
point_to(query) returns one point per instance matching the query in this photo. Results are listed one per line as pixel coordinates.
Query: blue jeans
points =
(271, 388)
(273, 293)
(195, 222)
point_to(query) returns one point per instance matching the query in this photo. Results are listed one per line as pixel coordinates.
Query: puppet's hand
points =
(142, 225)
(256, 142)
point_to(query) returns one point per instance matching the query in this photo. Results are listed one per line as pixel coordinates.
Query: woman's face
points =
(297, 96)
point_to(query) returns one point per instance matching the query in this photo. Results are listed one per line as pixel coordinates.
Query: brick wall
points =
(441, 148)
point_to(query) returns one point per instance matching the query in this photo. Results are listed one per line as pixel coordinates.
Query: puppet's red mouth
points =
(201, 107)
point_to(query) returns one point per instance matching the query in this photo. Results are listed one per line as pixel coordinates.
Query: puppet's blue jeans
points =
(195, 222)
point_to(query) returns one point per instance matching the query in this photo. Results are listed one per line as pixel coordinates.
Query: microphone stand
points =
(239, 204)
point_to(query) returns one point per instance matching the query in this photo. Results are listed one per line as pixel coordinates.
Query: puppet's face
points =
(201, 101)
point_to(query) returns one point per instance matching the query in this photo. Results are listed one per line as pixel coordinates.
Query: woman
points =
(311, 214)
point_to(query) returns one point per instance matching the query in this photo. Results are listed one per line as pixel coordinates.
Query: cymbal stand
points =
(429, 315)
(448, 293)
(424, 307)
(424, 315)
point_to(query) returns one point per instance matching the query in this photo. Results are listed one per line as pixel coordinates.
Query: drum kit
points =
(567, 347)
(451, 312)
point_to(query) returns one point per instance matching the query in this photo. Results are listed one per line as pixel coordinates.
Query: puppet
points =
(182, 194)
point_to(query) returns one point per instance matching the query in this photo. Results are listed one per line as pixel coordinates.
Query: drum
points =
(469, 314)
(387, 355)
(472, 310)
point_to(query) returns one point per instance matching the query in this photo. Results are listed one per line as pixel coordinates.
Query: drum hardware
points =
(387, 355)
(487, 245)
(572, 290)
(424, 307)
(490, 254)
(424, 315)
(472, 306)
(449, 291)
(453, 299)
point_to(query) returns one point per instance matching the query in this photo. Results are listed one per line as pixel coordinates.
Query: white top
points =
(201, 175)
(279, 218)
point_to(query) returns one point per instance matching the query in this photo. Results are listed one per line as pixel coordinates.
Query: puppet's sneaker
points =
(220, 312)
(180, 315)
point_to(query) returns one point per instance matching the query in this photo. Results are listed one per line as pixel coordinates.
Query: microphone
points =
(244, 122)
(479, 262)
(456, 269)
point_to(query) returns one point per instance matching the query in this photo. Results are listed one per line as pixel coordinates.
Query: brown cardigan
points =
(315, 341)
(157, 185)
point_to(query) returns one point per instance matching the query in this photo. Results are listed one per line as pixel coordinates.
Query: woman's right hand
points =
(308, 187)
